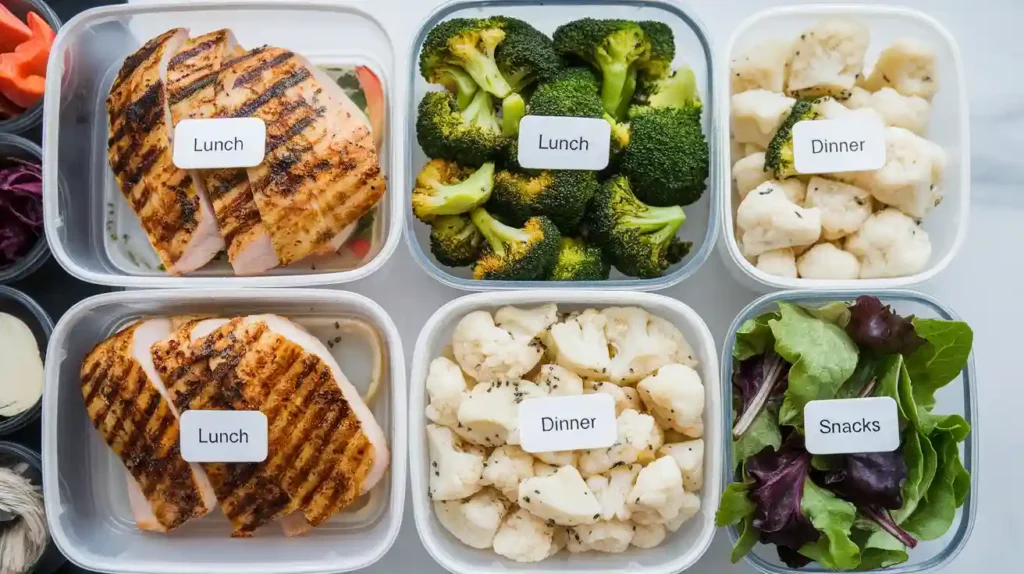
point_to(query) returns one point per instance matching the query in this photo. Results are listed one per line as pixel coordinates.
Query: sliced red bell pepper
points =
(12, 31)
(360, 247)
(374, 93)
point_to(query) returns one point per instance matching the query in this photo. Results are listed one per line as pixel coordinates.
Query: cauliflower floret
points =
(751, 148)
(689, 455)
(757, 115)
(657, 496)
(826, 261)
(749, 173)
(454, 472)
(761, 66)
(859, 98)
(507, 466)
(843, 207)
(557, 458)
(606, 535)
(663, 328)
(580, 344)
(638, 438)
(828, 59)
(524, 538)
(639, 349)
(526, 324)
(675, 396)
(562, 498)
(908, 112)
(648, 535)
(768, 220)
(446, 387)
(890, 244)
(689, 508)
(778, 262)
(908, 180)
(541, 469)
(625, 397)
(490, 415)
(473, 521)
(908, 65)
(487, 352)
(557, 381)
(611, 490)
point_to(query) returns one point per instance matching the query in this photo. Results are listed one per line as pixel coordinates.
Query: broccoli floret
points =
(443, 187)
(513, 108)
(579, 261)
(640, 240)
(663, 51)
(667, 159)
(457, 81)
(526, 55)
(470, 137)
(455, 241)
(778, 158)
(574, 92)
(513, 253)
(676, 91)
(560, 195)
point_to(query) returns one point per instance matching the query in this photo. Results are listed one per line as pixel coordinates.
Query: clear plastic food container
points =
(31, 117)
(679, 551)
(946, 224)
(90, 518)
(693, 48)
(92, 230)
(958, 397)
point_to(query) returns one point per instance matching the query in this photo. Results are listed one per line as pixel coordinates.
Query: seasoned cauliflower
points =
(625, 397)
(657, 495)
(689, 455)
(542, 469)
(639, 350)
(490, 414)
(663, 328)
(487, 352)
(778, 262)
(675, 396)
(890, 244)
(557, 458)
(648, 535)
(612, 488)
(909, 179)
(446, 387)
(908, 112)
(562, 498)
(908, 65)
(526, 324)
(859, 99)
(507, 466)
(768, 220)
(828, 59)
(606, 535)
(454, 472)
(580, 344)
(473, 521)
(761, 66)
(524, 538)
(757, 115)
(843, 207)
(749, 173)
(826, 261)
(557, 381)
(638, 438)
(688, 509)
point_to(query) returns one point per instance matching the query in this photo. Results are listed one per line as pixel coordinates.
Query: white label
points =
(551, 142)
(833, 146)
(219, 142)
(852, 425)
(567, 423)
(223, 436)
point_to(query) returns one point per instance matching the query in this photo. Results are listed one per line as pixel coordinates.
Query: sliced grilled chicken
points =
(178, 218)
(321, 172)
(126, 402)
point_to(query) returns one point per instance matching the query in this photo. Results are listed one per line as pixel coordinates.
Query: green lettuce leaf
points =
(948, 443)
(889, 370)
(754, 337)
(834, 518)
(935, 512)
(763, 432)
(836, 312)
(907, 401)
(866, 370)
(735, 504)
(953, 424)
(748, 538)
(921, 461)
(940, 361)
(881, 550)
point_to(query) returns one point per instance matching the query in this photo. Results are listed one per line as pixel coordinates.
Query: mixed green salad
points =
(857, 511)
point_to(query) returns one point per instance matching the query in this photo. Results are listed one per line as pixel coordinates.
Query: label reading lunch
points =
(852, 425)
(567, 423)
(833, 146)
(219, 142)
(224, 436)
(547, 142)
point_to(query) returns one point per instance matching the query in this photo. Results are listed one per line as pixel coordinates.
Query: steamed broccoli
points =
(470, 137)
(512, 253)
(639, 239)
(778, 158)
(575, 92)
(561, 195)
(513, 108)
(579, 261)
(527, 55)
(678, 90)
(663, 51)
(456, 81)
(445, 188)
(455, 241)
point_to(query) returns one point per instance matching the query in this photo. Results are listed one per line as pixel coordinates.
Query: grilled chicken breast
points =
(176, 216)
(126, 402)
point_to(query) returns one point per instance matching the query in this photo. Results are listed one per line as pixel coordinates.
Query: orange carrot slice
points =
(12, 31)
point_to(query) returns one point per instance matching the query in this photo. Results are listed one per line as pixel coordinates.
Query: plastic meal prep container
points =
(679, 551)
(958, 397)
(31, 117)
(12, 146)
(22, 307)
(693, 48)
(946, 224)
(93, 232)
(91, 520)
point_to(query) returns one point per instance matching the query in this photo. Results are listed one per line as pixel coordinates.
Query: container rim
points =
(10, 425)
(971, 445)
(53, 218)
(687, 269)
(964, 184)
(33, 116)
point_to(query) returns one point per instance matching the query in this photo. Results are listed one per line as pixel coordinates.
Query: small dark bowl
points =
(31, 117)
(16, 303)
(21, 148)
(11, 454)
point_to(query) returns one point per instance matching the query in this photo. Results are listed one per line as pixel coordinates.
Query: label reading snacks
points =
(548, 142)
(852, 425)
(567, 423)
(223, 436)
(833, 146)
(219, 142)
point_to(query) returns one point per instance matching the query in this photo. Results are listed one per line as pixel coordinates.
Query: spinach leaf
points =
(935, 512)
(908, 405)
(754, 336)
(889, 370)
(921, 475)
(735, 504)
(834, 518)
(747, 540)
(961, 479)
(880, 550)
(941, 359)
(762, 433)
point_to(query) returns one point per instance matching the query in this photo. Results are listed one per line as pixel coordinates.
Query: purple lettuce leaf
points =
(757, 381)
(777, 493)
(875, 327)
(873, 482)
